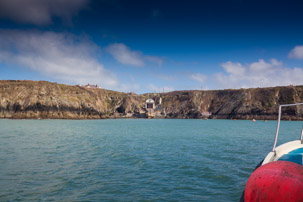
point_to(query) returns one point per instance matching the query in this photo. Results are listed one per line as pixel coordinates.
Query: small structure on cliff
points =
(150, 104)
(160, 100)
(153, 107)
(149, 107)
(92, 86)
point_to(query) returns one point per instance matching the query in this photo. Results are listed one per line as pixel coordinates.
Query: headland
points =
(20, 99)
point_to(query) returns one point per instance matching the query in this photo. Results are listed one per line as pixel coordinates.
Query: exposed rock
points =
(41, 99)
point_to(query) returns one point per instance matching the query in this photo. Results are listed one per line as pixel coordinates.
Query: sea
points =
(133, 159)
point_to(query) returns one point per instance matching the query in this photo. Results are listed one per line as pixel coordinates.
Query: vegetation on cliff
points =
(41, 99)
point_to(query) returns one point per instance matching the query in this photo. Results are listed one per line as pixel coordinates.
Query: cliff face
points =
(32, 99)
(257, 103)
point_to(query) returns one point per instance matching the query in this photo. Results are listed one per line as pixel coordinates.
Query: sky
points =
(153, 46)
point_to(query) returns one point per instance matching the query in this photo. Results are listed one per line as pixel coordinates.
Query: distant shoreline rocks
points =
(47, 100)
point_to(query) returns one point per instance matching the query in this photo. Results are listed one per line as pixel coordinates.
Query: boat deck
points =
(295, 156)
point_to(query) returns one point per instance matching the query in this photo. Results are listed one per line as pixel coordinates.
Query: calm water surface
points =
(132, 160)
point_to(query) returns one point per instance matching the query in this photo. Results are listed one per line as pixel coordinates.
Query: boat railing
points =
(278, 125)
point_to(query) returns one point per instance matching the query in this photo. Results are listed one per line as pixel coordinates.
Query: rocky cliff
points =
(41, 99)
(256, 103)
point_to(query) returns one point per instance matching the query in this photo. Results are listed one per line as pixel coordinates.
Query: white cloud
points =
(153, 59)
(61, 56)
(233, 68)
(296, 53)
(258, 74)
(158, 89)
(201, 78)
(40, 12)
(126, 56)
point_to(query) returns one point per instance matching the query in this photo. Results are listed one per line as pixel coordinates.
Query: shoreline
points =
(47, 100)
(122, 118)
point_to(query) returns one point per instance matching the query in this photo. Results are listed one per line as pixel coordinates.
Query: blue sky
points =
(151, 46)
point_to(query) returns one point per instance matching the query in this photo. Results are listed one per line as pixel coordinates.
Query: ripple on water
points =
(130, 160)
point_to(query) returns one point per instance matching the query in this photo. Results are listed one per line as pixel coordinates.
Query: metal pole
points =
(301, 135)
(278, 125)
(277, 131)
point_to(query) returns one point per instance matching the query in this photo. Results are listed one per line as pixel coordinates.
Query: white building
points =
(150, 104)
(91, 86)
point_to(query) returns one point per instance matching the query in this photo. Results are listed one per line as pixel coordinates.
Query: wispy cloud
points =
(60, 56)
(129, 87)
(40, 12)
(160, 89)
(153, 59)
(201, 78)
(296, 53)
(257, 74)
(126, 56)
(166, 77)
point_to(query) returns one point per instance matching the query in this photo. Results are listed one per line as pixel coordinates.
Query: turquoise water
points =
(133, 159)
